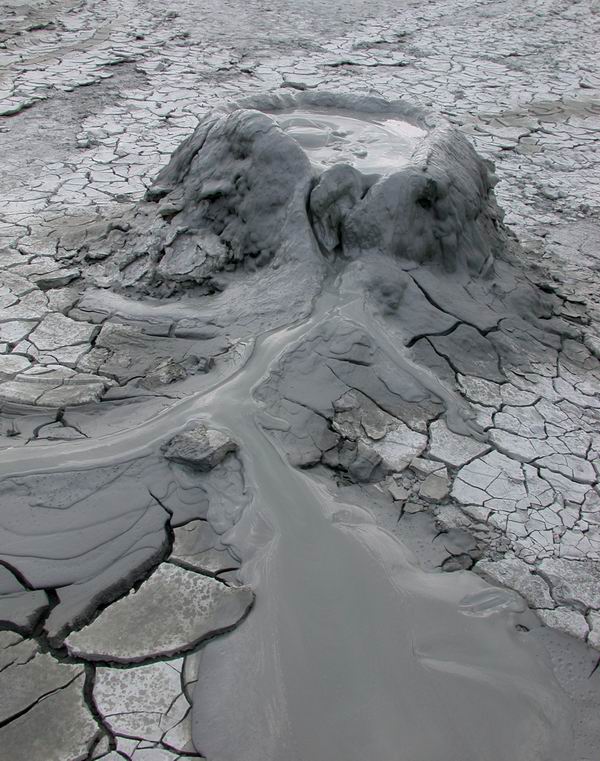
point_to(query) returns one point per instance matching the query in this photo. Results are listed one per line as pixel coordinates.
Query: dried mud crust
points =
(506, 481)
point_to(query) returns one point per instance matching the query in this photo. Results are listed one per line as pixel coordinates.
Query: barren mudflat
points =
(299, 382)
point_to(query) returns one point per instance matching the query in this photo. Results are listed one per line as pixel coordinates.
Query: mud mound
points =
(260, 180)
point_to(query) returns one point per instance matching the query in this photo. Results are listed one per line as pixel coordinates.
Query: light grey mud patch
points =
(370, 145)
(170, 613)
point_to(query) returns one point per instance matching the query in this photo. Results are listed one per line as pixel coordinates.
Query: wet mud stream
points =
(351, 651)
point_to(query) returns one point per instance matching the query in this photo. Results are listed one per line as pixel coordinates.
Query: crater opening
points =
(371, 145)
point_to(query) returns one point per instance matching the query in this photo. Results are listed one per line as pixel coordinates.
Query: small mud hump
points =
(199, 447)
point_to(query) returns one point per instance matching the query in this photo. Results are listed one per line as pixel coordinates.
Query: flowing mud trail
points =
(252, 366)
(352, 651)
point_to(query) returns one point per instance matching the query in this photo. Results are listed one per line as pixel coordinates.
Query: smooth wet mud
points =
(377, 146)
(352, 651)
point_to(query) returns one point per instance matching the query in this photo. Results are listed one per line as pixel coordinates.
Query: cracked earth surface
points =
(101, 525)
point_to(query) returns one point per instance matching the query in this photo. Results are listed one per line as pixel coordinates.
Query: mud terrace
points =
(299, 381)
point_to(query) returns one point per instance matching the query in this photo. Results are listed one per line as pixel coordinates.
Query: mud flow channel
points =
(352, 651)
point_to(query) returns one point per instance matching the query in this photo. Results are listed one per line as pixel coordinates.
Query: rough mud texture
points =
(170, 613)
(299, 392)
(148, 702)
(43, 711)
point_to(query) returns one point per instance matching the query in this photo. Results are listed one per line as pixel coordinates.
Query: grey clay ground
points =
(442, 388)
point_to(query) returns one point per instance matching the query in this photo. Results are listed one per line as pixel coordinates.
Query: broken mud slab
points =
(122, 516)
(380, 372)
(146, 702)
(170, 613)
(36, 689)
